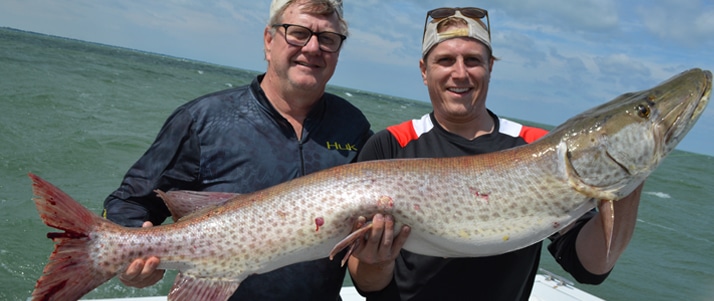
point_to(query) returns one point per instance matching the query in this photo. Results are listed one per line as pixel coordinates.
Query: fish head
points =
(612, 148)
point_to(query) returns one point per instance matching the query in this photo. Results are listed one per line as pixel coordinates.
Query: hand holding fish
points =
(142, 272)
(598, 251)
(377, 252)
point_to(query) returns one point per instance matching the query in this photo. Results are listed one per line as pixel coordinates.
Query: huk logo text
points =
(338, 146)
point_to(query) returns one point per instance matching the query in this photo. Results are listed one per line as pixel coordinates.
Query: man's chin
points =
(307, 82)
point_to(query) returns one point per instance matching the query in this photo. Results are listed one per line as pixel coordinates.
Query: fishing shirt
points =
(507, 276)
(236, 141)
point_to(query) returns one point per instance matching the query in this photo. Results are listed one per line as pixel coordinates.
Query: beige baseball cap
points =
(276, 5)
(474, 30)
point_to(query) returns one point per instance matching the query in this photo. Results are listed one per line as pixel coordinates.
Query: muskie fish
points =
(456, 207)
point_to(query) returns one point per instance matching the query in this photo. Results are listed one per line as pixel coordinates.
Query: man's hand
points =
(142, 272)
(381, 245)
(372, 262)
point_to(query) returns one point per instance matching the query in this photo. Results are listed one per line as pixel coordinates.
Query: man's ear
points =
(422, 67)
(267, 42)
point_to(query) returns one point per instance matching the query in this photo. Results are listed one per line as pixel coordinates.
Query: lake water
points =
(79, 114)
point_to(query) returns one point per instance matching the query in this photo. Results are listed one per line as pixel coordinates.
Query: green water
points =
(79, 114)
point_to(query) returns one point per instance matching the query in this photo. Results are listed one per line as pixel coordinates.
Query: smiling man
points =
(456, 65)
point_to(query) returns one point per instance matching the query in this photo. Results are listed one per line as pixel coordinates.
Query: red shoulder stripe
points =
(530, 134)
(403, 132)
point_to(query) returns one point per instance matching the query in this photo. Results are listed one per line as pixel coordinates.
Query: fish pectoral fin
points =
(352, 241)
(188, 288)
(607, 214)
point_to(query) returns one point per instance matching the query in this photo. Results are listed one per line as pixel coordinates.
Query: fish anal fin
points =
(189, 288)
(351, 241)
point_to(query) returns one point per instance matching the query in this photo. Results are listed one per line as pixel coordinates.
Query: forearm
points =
(591, 243)
(134, 208)
(123, 213)
(175, 152)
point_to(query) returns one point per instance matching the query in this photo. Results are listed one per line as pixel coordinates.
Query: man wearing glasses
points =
(281, 126)
(456, 67)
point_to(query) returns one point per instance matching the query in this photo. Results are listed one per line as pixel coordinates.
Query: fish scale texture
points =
(452, 205)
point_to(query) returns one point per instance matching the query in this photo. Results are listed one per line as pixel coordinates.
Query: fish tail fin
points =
(70, 272)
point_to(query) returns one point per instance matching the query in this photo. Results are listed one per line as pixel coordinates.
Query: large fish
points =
(467, 206)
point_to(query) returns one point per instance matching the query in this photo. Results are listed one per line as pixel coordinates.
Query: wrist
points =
(372, 277)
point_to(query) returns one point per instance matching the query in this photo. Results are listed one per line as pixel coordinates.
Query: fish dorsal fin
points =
(190, 288)
(184, 202)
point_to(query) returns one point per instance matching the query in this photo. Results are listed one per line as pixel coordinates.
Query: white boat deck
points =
(546, 287)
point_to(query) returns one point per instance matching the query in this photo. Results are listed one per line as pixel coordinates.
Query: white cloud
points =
(681, 21)
(375, 48)
(567, 15)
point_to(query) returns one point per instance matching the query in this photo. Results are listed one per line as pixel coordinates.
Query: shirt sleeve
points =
(562, 247)
(171, 162)
(378, 147)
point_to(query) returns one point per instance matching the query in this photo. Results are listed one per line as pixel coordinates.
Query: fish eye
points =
(643, 111)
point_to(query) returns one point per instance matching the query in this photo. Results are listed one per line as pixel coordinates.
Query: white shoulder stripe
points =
(422, 125)
(510, 128)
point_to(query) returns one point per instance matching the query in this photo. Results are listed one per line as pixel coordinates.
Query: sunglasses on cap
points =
(470, 12)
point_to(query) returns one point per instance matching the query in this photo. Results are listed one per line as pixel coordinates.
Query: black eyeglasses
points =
(470, 12)
(297, 35)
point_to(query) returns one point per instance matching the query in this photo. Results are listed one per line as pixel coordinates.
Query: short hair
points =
(318, 7)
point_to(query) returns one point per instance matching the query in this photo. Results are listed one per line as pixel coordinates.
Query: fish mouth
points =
(679, 117)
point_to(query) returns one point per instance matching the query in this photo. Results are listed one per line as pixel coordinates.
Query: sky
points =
(557, 57)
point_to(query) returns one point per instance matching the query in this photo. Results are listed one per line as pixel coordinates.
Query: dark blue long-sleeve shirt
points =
(235, 141)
